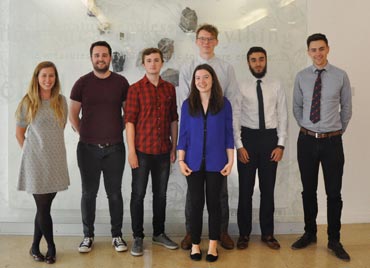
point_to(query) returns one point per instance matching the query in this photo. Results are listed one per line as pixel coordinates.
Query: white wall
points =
(346, 24)
(286, 50)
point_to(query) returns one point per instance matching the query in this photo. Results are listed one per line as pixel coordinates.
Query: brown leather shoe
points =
(186, 242)
(37, 256)
(242, 242)
(226, 241)
(270, 241)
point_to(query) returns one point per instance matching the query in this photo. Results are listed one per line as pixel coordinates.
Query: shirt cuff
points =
(238, 144)
(281, 141)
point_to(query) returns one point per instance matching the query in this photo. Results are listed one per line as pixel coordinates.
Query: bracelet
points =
(181, 160)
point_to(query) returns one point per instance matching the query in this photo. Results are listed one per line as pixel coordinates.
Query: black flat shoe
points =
(37, 256)
(50, 259)
(196, 256)
(211, 258)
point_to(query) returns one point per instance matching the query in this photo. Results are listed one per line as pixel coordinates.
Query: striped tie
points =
(316, 96)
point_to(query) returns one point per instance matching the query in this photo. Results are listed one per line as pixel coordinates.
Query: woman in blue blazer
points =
(205, 153)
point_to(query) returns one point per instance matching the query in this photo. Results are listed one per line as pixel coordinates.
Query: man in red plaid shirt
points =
(151, 127)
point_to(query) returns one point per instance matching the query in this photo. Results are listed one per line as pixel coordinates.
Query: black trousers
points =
(259, 144)
(205, 185)
(93, 161)
(224, 200)
(329, 153)
(158, 166)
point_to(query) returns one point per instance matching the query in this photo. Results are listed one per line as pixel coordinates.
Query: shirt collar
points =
(146, 80)
(201, 60)
(263, 79)
(327, 67)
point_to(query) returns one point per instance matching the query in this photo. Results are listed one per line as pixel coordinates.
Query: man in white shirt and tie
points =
(260, 119)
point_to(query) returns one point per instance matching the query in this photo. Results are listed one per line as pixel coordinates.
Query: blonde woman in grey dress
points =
(41, 118)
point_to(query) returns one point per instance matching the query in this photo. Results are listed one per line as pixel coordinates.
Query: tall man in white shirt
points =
(206, 40)
(260, 121)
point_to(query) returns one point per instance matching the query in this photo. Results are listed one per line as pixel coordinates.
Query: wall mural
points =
(39, 30)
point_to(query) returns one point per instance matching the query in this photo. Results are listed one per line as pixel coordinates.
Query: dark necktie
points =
(261, 112)
(316, 96)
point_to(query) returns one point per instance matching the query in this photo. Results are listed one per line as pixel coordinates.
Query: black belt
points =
(319, 135)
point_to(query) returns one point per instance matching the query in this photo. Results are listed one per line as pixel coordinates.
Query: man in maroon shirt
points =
(151, 128)
(100, 95)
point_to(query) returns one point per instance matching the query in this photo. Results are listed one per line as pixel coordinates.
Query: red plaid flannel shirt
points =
(152, 110)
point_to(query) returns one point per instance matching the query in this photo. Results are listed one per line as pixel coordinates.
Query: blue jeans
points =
(159, 167)
(93, 160)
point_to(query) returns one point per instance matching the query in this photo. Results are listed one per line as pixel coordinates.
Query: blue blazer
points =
(219, 137)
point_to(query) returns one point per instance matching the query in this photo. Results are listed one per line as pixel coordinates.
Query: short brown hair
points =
(209, 28)
(149, 51)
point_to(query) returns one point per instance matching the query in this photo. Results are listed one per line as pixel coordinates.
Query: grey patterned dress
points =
(44, 162)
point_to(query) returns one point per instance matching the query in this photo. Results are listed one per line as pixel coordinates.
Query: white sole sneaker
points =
(84, 249)
(120, 249)
(136, 254)
(164, 245)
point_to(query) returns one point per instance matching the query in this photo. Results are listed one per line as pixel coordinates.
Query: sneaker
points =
(165, 241)
(119, 244)
(137, 247)
(86, 245)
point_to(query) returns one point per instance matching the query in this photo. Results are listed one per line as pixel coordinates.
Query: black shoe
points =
(37, 256)
(304, 241)
(211, 258)
(196, 256)
(339, 251)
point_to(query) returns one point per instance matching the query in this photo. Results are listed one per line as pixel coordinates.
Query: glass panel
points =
(61, 31)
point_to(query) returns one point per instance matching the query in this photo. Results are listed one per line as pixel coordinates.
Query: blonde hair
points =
(32, 100)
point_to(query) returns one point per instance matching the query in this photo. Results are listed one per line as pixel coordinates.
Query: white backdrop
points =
(61, 31)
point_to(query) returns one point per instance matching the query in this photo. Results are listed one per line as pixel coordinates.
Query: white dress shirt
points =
(245, 109)
(224, 71)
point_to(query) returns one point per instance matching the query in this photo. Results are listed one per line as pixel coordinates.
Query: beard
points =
(258, 75)
(101, 70)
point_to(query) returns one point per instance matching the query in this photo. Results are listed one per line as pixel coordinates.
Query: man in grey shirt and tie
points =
(322, 106)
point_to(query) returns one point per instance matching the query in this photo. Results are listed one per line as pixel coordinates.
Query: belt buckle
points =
(317, 135)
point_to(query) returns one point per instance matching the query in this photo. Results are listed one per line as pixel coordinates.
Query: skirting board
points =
(102, 229)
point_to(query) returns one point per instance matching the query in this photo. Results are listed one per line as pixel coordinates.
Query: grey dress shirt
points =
(336, 99)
